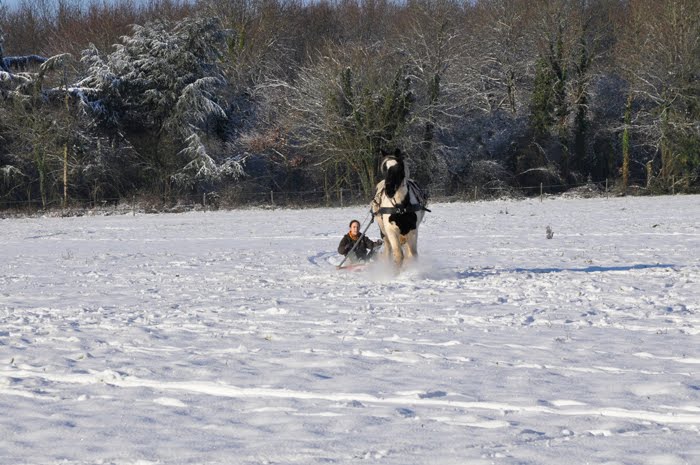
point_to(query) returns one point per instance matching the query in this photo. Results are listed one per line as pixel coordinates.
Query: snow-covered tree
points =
(10, 65)
(158, 88)
(347, 106)
(35, 131)
(659, 52)
(434, 47)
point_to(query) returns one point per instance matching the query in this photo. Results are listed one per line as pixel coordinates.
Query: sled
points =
(352, 267)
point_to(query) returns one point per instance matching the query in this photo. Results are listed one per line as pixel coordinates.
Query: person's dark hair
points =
(353, 221)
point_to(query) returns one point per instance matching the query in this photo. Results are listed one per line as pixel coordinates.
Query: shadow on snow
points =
(588, 269)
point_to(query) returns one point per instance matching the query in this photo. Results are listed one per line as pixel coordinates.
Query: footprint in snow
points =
(432, 394)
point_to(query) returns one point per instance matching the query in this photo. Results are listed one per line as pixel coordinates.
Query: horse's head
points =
(395, 172)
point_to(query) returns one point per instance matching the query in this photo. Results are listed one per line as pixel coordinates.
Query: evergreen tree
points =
(158, 86)
(542, 109)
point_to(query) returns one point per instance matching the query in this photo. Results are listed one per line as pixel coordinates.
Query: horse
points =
(398, 206)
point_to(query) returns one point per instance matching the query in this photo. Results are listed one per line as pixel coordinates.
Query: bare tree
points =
(347, 106)
(433, 46)
(502, 46)
(659, 52)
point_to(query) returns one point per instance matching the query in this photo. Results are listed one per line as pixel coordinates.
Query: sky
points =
(229, 337)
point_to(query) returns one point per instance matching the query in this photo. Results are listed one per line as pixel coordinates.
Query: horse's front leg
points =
(386, 248)
(394, 239)
(412, 245)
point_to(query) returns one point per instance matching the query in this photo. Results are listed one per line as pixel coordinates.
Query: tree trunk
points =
(626, 145)
(65, 175)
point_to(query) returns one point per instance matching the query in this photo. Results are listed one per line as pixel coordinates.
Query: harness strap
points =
(401, 210)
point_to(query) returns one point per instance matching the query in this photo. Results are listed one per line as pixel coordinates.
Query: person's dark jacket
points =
(362, 249)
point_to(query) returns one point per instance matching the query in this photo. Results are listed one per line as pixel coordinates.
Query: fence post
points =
(606, 186)
(476, 191)
(541, 192)
(133, 205)
(673, 185)
(341, 198)
(272, 197)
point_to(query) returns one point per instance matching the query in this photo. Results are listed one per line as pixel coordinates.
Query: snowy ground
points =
(230, 338)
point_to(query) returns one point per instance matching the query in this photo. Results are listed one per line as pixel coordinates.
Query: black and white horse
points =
(398, 206)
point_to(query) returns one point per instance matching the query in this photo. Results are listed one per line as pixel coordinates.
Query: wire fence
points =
(242, 198)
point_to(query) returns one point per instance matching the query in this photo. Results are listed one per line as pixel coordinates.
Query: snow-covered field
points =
(230, 338)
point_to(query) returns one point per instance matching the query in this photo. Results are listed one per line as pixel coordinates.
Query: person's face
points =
(355, 228)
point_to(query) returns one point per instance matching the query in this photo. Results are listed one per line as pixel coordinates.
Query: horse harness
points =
(400, 210)
(404, 209)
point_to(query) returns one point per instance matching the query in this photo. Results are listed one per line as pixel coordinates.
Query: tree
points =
(37, 131)
(659, 52)
(502, 48)
(568, 34)
(346, 107)
(550, 107)
(432, 43)
(157, 87)
(626, 145)
(261, 46)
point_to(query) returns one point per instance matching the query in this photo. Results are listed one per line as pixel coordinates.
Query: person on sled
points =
(364, 250)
